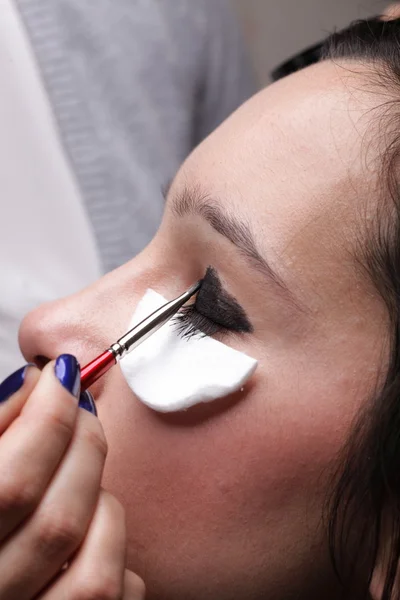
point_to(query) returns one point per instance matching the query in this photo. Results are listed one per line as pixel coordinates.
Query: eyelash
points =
(190, 322)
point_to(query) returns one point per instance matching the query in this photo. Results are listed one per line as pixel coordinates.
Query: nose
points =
(58, 327)
(83, 325)
(87, 323)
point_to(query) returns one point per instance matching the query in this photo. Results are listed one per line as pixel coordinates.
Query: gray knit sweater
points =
(134, 86)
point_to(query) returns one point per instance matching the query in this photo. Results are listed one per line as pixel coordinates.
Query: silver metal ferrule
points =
(117, 350)
(151, 324)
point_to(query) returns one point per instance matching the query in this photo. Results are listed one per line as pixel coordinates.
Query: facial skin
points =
(225, 501)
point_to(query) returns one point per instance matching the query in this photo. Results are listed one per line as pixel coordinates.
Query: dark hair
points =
(364, 511)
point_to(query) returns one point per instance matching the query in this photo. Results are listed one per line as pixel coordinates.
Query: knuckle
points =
(105, 588)
(96, 439)
(134, 585)
(18, 496)
(62, 422)
(58, 535)
(112, 505)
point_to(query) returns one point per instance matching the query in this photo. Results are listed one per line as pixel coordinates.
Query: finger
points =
(34, 444)
(97, 570)
(60, 523)
(14, 392)
(391, 12)
(134, 588)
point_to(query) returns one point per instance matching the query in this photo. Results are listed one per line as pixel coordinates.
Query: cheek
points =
(199, 484)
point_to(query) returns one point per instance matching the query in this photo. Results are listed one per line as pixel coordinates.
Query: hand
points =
(52, 508)
(97, 570)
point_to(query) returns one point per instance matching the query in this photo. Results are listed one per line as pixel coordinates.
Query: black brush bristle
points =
(214, 311)
(190, 323)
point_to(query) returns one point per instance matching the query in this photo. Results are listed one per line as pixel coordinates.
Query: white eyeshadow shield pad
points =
(170, 373)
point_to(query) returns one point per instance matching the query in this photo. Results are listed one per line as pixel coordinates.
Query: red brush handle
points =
(95, 369)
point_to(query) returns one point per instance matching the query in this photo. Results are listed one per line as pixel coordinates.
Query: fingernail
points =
(68, 373)
(13, 383)
(86, 401)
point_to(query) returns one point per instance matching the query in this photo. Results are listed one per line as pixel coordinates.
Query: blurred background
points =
(276, 30)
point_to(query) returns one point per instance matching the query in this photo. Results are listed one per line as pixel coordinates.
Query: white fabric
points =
(47, 248)
(170, 373)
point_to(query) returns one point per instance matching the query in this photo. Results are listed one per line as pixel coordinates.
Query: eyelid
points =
(218, 305)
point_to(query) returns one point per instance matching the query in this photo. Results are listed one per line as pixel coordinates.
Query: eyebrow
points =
(191, 201)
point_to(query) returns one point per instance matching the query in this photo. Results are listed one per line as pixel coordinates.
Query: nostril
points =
(41, 361)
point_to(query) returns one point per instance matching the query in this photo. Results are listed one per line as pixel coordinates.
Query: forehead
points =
(298, 162)
(301, 148)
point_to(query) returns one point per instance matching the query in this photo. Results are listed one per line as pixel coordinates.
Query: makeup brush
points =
(128, 342)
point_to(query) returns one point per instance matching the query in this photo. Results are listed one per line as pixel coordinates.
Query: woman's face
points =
(225, 500)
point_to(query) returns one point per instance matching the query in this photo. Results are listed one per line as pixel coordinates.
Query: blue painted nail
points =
(12, 384)
(86, 401)
(68, 373)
